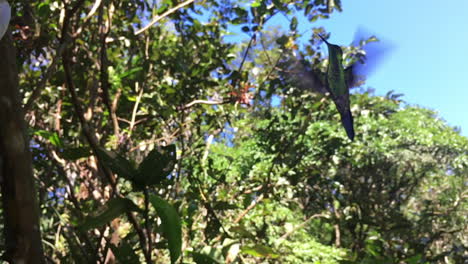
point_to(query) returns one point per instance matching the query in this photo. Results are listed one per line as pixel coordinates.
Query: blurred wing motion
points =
(366, 62)
(5, 14)
(299, 72)
(337, 80)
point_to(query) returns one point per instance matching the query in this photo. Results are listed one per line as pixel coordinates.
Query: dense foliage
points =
(177, 146)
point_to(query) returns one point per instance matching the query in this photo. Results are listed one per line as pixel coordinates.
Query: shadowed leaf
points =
(170, 225)
(156, 166)
(117, 163)
(112, 209)
(200, 258)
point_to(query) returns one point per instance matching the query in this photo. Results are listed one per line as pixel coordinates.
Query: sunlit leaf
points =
(242, 231)
(256, 3)
(260, 251)
(51, 136)
(130, 72)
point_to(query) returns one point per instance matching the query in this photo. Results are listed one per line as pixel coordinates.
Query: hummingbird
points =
(338, 81)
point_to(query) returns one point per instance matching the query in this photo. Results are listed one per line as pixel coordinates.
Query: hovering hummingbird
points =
(338, 86)
(337, 80)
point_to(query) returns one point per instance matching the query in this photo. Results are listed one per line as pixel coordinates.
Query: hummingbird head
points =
(333, 50)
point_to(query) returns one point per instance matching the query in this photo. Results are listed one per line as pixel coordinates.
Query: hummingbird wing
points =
(300, 73)
(374, 51)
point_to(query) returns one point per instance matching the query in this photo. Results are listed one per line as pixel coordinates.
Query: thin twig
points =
(88, 17)
(251, 206)
(115, 121)
(135, 107)
(147, 224)
(167, 139)
(93, 10)
(145, 118)
(207, 102)
(254, 36)
(165, 14)
(265, 51)
(141, 234)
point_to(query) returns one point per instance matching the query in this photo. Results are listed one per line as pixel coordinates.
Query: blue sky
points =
(428, 62)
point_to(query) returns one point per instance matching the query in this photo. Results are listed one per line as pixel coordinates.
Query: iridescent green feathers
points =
(337, 86)
(338, 79)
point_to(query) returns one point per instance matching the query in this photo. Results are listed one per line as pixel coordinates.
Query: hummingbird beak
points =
(322, 38)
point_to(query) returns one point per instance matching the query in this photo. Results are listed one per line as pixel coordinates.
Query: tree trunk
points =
(20, 210)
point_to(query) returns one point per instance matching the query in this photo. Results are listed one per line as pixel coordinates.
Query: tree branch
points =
(165, 14)
(287, 234)
(207, 102)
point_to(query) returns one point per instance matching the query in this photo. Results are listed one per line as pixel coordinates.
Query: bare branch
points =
(115, 121)
(207, 102)
(251, 206)
(287, 234)
(135, 107)
(165, 14)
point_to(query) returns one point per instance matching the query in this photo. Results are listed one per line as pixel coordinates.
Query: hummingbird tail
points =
(347, 122)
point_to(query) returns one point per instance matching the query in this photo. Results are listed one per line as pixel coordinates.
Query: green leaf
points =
(235, 75)
(130, 72)
(282, 40)
(170, 224)
(43, 9)
(200, 258)
(260, 251)
(223, 205)
(280, 5)
(293, 25)
(239, 20)
(124, 253)
(242, 231)
(117, 164)
(256, 4)
(156, 166)
(308, 9)
(241, 12)
(414, 259)
(51, 136)
(112, 209)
